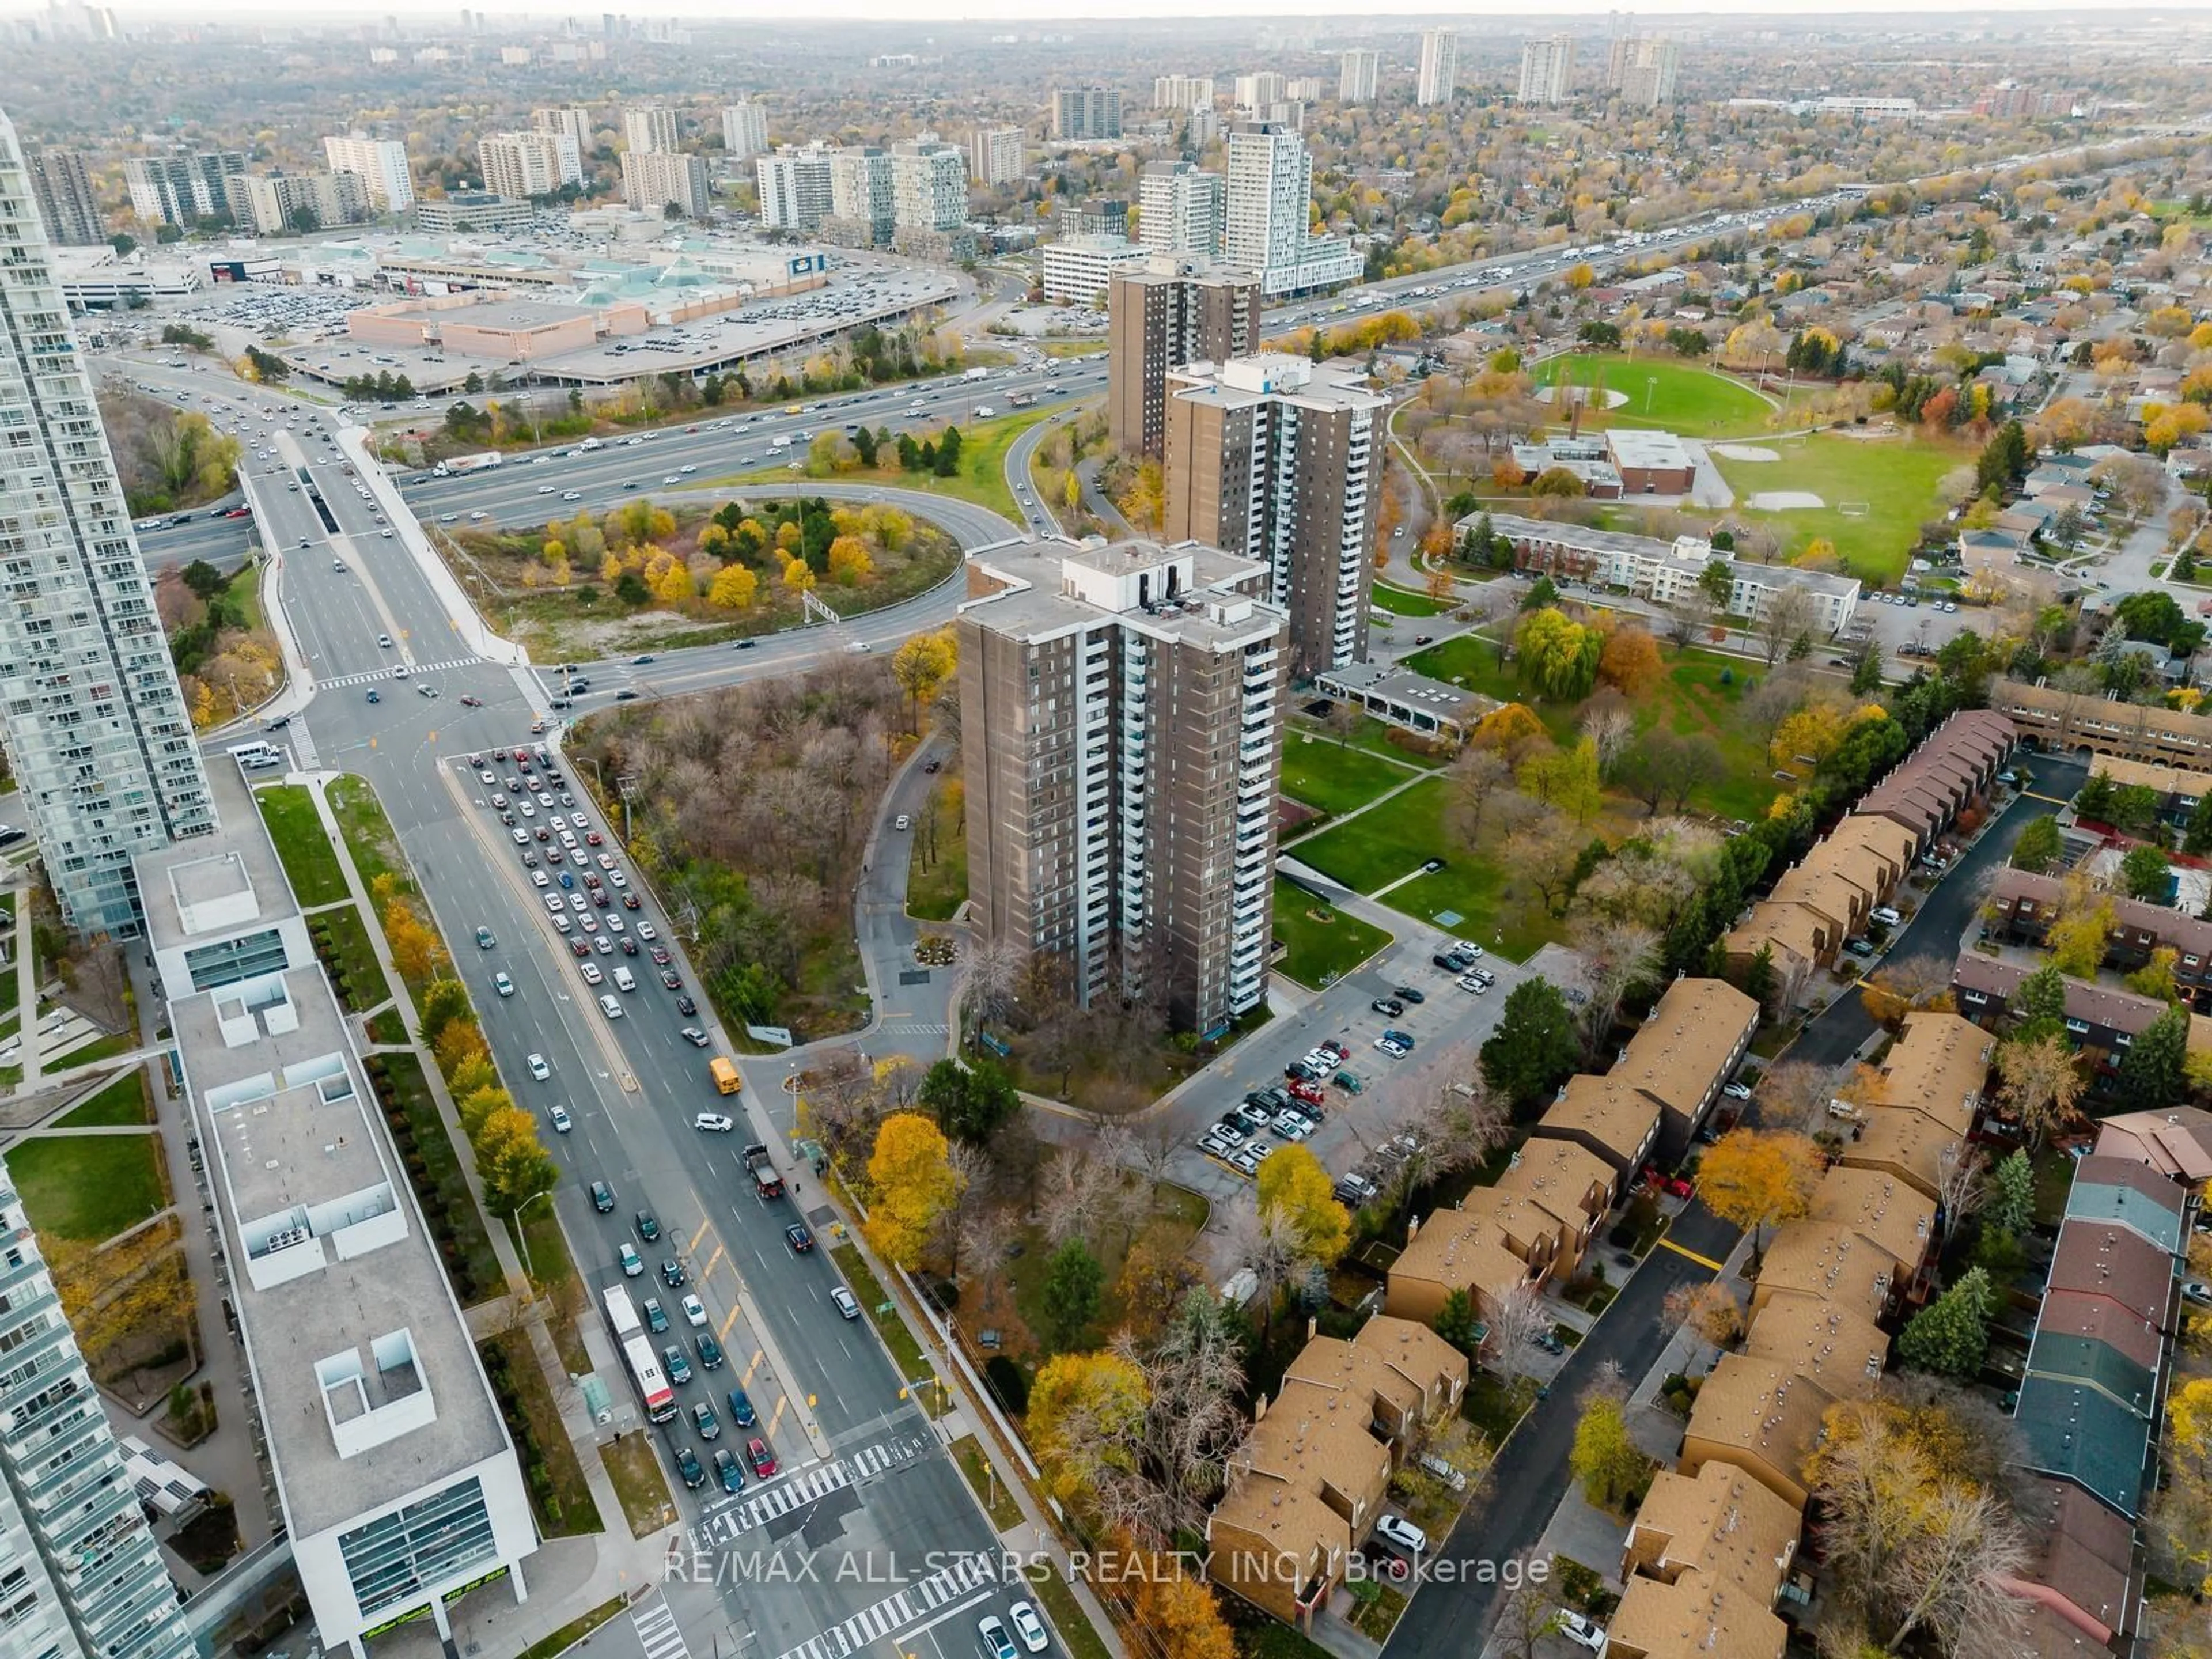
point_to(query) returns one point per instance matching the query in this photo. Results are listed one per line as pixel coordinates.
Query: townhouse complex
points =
(1306, 1487)
(1829, 894)
(1588, 1151)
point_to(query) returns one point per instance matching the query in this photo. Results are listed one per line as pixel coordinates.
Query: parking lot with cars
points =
(1348, 1074)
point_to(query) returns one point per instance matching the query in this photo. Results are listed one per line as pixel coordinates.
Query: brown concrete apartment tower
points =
(1280, 460)
(1123, 708)
(1171, 312)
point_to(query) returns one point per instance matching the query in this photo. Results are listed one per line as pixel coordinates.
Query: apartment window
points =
(214, 965)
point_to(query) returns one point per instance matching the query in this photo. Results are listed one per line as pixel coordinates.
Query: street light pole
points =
(522, 1234)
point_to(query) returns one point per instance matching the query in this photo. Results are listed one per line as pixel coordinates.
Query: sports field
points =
(1661, 389)
(1875, 492)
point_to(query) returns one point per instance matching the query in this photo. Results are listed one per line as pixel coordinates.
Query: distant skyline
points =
(1023, 12)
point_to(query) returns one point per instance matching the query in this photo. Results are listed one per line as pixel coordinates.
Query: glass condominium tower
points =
(90, 711)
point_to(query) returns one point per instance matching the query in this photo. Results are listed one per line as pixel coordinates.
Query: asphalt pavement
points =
(1531, 1474)
(861, 1466)
(1950, 911)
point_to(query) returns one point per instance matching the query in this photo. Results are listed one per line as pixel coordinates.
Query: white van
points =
(612, 1008)
(624, 980)
(257, 754)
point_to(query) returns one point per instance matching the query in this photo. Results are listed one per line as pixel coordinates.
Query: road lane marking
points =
(1684, 1250)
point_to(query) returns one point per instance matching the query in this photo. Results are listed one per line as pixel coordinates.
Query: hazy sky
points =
(1029, 14)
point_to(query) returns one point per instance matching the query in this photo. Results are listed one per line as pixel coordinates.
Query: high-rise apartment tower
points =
(1439, 72)
(1357, 73)
(95, 726)
(1173, 312)
(63, 190)
(1280, 460)
(1124, 708)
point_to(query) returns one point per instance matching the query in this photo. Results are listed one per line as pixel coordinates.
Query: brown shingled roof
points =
(1679, 1053)
(1696, 1617)
(1882, 1209)
(1827, 1262)
(1843, 1351)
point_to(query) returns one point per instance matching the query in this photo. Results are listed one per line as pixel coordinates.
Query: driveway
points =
(1948, 913)
(1531, 1475)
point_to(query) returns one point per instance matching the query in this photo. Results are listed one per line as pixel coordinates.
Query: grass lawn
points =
(990, 1491)
(639, 1483)
(1663, 390)
(341, 940)
(106, 1048)
(1494, 1405)
(1377, 849)
(1894, 477)
(1070, 348)
(906, 1352)
(1177, 1215)
(367, 832)
(1320, 952)
(388, 1027)
(1334, 779)
(311, 864)
(1065, 1613)
(121, 1103)
(1689, 700)
(558, 1495)
(1372, 735)
(575, 1630)
(1400, 602)
(935, 891)
(88, 1187)
(981, 478)
(544, 1249)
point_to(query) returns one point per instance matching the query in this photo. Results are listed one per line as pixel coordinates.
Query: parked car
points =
(1583, 1632)
(1390, 1006)
(1402, 1533)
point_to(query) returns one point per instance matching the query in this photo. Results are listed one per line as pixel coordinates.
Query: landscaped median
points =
(978, 474)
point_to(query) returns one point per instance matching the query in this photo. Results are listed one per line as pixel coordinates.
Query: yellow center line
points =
(1702, 1261)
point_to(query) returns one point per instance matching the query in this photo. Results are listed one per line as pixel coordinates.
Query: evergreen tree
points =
(1950, 1334)
(2153, 1071)
(1759, 979)
(2197, 837)
(2011, 1203)
(1534, 1049)
(1458, 1323)
(2041, 844)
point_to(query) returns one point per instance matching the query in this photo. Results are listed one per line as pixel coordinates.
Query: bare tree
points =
(1516, 1316)
(1530, 1612)
(1795, 1095)
(1959, 1185)
(972, 1170)
(1451, 1130)
(1610, 724)
(1193, 1422)
(1687, 620)
(1787, 617)
(1476, 777)
(1617, 956)
(1706, 1308)
(994, 968)
(1078, 1191)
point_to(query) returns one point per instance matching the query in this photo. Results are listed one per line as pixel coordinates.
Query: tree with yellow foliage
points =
(668, 579)
(797, 575)
(1581, 275)
(2077, 941)
(1179, 1610)
(458, 1044)
(734, 588)
(850, 563)
(1084, 1415)
(921, 666)
(2182, 1515)
(414, 948)
(788, 537)
(1756, 1179)
(913, 1183)
(1812, 733)
(1511, 730)
(1297, 1190)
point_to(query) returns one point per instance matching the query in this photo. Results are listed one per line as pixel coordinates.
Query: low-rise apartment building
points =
(1486, 1248)
(1830, 1263)
(1951, 770)
(1888, 1213)
(1666, 573)
(2023, 905)
(1758, 1416)
(1306, 1489)
(1924, 1100)
(2083, 1577)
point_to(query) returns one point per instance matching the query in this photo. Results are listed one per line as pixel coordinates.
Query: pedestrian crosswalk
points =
(303, 744)
(801, 1488)
(900, 1611)
(657, 1633)
(343, 680)
(914, 1028)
